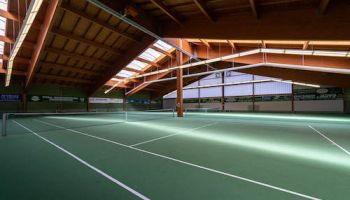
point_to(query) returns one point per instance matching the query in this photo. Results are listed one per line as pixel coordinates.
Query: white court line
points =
(340, 147)
(188, 163)
(174, 134)
(141, 196)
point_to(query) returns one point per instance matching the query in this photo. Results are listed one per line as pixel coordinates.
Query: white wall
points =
(274, 106)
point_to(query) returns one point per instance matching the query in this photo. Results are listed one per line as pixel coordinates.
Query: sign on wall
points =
(35, 98)
(318, 94)
(104, 100)
(10, 98)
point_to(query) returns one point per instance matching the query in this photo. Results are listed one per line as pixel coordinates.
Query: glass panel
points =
(125, 73)
(162, 45)
(135, 64)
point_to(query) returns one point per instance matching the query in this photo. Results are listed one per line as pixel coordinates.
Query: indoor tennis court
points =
(174, 99)
(206, 155)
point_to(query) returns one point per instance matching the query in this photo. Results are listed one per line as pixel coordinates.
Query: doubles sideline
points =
(186, 163)
(331, 141)
(119, 183)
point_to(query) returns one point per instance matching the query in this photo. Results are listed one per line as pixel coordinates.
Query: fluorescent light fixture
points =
(279, 51)
(331, 53)
(228, 84)
(298, 52)
(298, 83)
(28, 21)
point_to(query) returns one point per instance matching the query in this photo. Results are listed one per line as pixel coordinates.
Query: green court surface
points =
(201, 156)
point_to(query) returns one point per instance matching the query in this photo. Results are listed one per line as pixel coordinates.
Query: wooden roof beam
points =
(14, 17)
(9, 40)
(323, 6)
(132, 70)
(76, 56)
(122, 77)
(99, 22)
(306, 45)
(46, 26)
(86, 41)
(203, 9)
(166, 10)
(63, 78)
(69, 68)
(206, 43)
(162, 51)
(14, 72)
(232, 44)
(147, 61)
(253, 7)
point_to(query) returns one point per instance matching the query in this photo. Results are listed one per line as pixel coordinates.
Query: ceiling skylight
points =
(135, 64)
(124, 73)
(150, 54)
(3, 6)
(162, 45)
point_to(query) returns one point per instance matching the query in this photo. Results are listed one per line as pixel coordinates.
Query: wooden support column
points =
(24, 102)
(124, 103)
(292, 97)
(253, 97)
(179, 84)
(88, 108)
(223, 92)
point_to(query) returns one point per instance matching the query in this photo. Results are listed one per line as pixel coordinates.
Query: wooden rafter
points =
(306, 45)
(46, 26)
(166, 10)
(14, 72)
(69, 68)
(9, 40)
(206, 43)
(99, 22)
(76, 56)
(232, 44)
(253, 7)
(148, 62)
(203, 9)
(14, 17)
(162, 51)
(132, 70)
(88, 42)
(323, 6)
(122, 77)
(62, 78)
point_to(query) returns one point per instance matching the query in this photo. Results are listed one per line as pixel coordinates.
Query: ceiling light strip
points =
(28, 21)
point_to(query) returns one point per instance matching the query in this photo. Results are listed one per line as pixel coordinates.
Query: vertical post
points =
(253, 97)
(179, 83)
(223, 91)
(88, 108)
(4, 124)
(24, 102)
(293, 109)
(199, 94)
(124, 103)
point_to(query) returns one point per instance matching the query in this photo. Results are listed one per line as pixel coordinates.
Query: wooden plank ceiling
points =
(86, 46)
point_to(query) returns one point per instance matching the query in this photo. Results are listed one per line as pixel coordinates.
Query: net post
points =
(4, 124)
(126, 116)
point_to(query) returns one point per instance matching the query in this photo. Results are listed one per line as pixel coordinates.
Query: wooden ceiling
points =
(85, 46)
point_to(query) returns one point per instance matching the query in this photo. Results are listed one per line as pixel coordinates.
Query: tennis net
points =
(77, 119)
